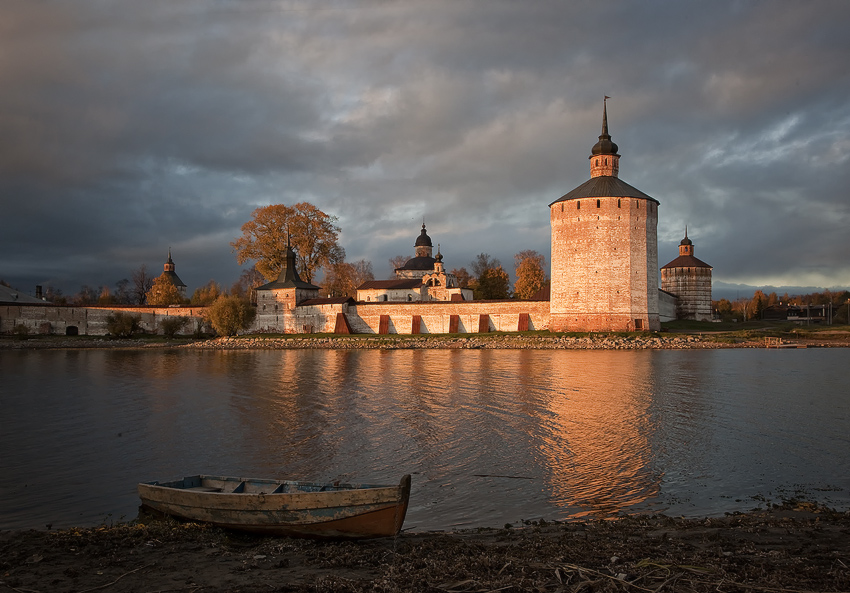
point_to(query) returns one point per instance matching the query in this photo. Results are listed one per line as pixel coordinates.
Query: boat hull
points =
(283, 508)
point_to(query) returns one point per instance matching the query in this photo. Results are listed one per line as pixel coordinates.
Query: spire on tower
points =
(605, 146)
(605, 116)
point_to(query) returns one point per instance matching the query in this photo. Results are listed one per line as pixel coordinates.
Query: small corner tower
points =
(604, 250)
(289, 290)
(690, 280)
(168, 272)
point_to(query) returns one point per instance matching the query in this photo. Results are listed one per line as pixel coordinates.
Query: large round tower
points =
(604, 250)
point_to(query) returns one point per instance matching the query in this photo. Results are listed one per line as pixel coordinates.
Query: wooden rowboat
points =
(281, 507)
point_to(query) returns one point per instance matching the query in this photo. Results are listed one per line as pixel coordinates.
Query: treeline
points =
(489, 280)
(745, 309)
(145, 289)
(313, 236)
(486, 276)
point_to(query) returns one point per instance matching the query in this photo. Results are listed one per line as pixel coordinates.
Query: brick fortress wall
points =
(428, 317)
(90, 321)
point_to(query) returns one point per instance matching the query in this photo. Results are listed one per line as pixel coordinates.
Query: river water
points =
(490, 436)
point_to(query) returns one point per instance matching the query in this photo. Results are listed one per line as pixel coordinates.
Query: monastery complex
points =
(603, 277)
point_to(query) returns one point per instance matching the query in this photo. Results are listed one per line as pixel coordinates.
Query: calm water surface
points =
(490, 436)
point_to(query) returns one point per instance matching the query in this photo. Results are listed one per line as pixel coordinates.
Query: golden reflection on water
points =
(489, 435)
(598, 442)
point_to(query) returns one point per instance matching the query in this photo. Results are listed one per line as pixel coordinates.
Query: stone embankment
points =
(513, 342)
(543, 341)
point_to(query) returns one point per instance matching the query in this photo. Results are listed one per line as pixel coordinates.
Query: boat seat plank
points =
(204, 489)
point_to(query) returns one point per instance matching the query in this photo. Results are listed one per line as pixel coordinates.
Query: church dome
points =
(604, 146)
(423, 240)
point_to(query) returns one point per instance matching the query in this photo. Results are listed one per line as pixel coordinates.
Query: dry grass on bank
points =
(792, 548)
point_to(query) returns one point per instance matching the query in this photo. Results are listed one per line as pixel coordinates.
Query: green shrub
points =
(123, 325)
(171, 326)
(229, 314)
(21, 331)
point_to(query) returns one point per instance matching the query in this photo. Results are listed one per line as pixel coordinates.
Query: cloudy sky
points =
(128, 128)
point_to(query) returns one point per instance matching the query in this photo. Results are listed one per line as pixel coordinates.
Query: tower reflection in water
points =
(598, 435)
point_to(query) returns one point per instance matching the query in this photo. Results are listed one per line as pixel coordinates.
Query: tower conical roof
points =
(605, 145)
(288, 277)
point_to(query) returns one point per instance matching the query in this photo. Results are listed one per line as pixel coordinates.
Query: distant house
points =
(803, 314)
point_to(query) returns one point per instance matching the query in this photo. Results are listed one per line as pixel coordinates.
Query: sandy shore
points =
(798, 547)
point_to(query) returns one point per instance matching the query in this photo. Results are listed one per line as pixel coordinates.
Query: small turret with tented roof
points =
(168, 272)
(686, 257)
(288, 277)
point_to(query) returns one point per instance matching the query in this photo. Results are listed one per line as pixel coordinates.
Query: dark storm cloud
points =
(129, 128)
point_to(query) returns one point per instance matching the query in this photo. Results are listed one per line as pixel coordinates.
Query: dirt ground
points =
(798, 547)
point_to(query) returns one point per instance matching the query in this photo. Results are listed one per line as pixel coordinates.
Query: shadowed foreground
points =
(793, 548)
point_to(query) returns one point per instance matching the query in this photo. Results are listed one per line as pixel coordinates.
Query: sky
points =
(131, 128)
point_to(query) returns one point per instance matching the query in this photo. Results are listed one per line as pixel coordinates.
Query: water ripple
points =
(491, 436)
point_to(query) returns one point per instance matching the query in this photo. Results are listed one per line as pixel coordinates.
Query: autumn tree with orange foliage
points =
(530, 276)
(343, 278)
(163, 292)
(207, 294)
(311, 233)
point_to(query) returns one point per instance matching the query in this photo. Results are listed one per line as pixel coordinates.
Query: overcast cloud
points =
(128, 128)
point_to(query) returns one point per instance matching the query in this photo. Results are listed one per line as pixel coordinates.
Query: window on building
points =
(638, 323)
(618, 203)
(598, 203)
(578, 205)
